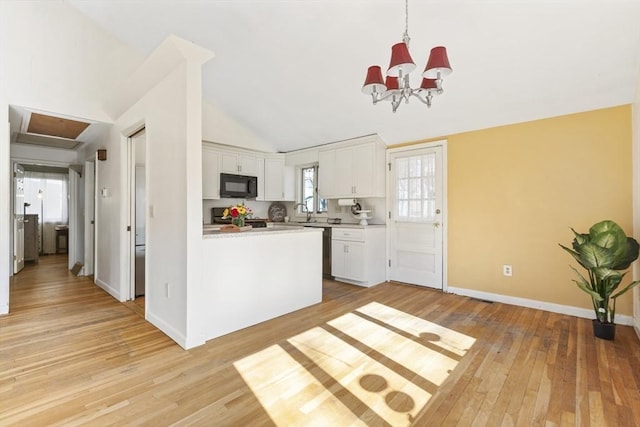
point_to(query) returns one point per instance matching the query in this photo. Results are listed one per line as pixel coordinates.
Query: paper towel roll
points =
(346, 202)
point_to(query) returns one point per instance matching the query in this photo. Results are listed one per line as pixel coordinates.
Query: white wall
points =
(33, 154)
(53, 59)
(218, 127)
(5, 207)
(635, 120)
(171, 114)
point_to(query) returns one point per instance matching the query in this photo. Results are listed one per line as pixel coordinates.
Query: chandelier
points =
(396, 86)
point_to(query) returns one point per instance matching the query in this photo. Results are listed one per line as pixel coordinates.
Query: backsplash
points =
(260, 209)
(377, 205)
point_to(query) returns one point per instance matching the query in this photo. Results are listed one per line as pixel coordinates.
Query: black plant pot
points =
(606, 331)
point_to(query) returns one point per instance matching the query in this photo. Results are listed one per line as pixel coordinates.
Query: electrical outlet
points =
(507, 270)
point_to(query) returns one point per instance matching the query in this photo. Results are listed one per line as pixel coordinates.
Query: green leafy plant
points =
(604, 252)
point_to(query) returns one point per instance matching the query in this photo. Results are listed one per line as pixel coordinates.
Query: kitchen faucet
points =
(304, 209)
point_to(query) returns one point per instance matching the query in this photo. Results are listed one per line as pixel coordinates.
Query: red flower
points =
(234, 212)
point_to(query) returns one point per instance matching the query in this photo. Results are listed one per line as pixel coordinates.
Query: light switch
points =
(150, 211)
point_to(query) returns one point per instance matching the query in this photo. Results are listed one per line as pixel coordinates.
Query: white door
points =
(416, 217)
(138, 210)
(18, 218)
(89, 216)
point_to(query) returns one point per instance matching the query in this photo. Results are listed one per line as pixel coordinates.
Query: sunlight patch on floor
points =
(289, 393)
(445, 338)
(374, 365)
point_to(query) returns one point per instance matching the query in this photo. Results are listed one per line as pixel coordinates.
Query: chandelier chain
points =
(405, 36)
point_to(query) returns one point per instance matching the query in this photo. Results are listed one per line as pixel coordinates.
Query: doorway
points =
(41, 212)
(19, 213)
(89, 216)
(137, 208)
(417, 206)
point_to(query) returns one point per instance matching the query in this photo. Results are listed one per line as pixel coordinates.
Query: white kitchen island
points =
(252, 276)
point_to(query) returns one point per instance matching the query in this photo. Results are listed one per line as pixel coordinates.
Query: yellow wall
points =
(515, 190)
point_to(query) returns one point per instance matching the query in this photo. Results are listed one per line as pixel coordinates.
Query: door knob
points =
(437, 211)
(436, 224)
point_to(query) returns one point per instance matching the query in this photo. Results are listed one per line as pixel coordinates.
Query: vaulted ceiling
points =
(292, 71)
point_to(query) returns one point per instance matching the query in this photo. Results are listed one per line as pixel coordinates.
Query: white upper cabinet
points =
(210, 173)
(353, 169)
(239, 163)
(326, 173)
(278, 180)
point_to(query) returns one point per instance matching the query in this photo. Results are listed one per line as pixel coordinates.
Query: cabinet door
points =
(229, 163)
(343, 173)
(355, 261)
(338, 258)
(247, 165)
(326, 171)
(274, 179)
(363, 170)
(210, 174)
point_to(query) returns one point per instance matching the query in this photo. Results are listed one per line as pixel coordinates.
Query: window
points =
(47, 195)
(416, 183)
(309, 191)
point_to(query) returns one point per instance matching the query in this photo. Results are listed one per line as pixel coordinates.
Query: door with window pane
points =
(415, 225)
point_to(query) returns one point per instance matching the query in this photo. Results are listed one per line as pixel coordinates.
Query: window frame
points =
(298, 213)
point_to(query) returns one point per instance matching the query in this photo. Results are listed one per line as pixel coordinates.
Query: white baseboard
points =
(108, 289)
(171, 332)
(637, 327)
(621, 319)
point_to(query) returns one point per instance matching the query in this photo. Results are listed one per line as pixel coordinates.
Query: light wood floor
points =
(72, 355)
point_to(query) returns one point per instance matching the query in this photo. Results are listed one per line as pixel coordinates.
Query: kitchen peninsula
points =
(256, 275)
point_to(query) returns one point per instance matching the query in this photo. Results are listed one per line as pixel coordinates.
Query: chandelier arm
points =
(427, 98)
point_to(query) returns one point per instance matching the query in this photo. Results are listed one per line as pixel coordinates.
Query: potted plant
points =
(604, 252)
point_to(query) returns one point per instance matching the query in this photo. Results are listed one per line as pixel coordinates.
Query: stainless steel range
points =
(216, 218)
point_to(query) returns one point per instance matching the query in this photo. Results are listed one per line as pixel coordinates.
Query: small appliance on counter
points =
(216, 218)
(362, 215)
(334, 220)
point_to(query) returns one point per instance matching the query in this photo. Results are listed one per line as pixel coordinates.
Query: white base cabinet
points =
(358, 255)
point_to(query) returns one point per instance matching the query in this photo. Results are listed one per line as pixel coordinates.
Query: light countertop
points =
(325, 224)
(208, 228)
(213, 231)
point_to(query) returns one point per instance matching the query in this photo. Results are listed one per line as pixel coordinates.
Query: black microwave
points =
(238, 186)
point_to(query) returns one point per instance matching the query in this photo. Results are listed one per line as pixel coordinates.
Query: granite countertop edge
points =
(265, 231)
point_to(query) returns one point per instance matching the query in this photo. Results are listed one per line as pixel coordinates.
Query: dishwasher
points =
(326, 253)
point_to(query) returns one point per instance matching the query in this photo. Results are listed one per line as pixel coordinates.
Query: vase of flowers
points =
(238, 214)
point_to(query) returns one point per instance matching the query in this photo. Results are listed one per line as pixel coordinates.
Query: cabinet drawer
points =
(347, 234)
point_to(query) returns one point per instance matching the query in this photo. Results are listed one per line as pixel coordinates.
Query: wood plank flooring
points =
(72, 355)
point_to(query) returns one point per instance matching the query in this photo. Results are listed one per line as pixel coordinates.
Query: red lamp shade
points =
(373, 82)
(400, 60)
(392, 83)
(392, 87)
(438, 62)
(429, 84)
